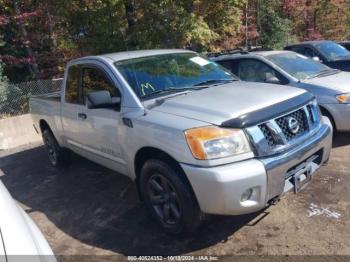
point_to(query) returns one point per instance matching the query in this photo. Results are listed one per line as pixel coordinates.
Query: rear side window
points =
(309, 52)
(231, 65)
(295, 49)
(347, 46)
(306, 51)
(72, 85)
(252, 70)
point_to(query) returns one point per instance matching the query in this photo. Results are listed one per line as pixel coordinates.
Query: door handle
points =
(82, 116)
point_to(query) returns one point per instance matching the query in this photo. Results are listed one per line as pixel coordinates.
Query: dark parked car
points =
(327, 52)
(346, 44)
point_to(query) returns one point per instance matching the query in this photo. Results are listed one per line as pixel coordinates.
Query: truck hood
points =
(339, 82)
(219, 104)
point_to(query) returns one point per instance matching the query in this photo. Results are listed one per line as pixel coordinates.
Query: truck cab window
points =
(95, 80)
(72, 85)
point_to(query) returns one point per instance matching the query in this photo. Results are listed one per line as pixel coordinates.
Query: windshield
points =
(333, 51)
(299, 66)
(177, 72)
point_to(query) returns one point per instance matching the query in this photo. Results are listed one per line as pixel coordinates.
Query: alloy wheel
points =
(164, 199)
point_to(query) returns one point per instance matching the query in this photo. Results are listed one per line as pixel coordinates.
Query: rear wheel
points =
(169, 198)
(58, 156)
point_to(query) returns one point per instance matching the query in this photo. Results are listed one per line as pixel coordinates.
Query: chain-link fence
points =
(14, 98)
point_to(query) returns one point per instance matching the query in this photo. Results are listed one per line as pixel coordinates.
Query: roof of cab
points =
(119, 56)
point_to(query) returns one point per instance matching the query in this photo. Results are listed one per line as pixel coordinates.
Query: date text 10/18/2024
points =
(173, 258)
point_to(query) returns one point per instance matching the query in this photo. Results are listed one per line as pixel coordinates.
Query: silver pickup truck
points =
(194, 138)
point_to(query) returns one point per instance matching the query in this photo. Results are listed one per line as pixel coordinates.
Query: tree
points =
(11, 96)
(114, 25)
(271, 22)
(332, 19)
(28, 52)
(303, 15)
(3, 91)
(39, 36)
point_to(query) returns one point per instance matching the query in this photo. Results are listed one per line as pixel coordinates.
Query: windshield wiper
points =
(344, 56)
(325, 72)
(198, 86)
(171, 90)
(215, 82)
(168, 90)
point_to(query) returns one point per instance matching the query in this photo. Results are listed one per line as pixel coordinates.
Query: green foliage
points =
(11, 97)
(114, 25)
(3, 88)
(171, 26)
(332, 19)
(38, 37)
(273, 28)
(3, 78)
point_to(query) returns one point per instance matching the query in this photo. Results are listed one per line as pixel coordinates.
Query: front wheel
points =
(169, 197)
(325, 113)
(57, 155)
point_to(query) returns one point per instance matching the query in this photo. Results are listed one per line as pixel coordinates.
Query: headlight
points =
(343, 98)
(215, 142)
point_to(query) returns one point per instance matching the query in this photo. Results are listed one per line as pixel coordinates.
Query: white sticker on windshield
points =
(200, 61)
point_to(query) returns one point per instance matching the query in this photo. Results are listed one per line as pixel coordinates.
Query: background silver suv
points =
(330, 86)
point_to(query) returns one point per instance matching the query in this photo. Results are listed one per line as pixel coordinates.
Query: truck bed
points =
(47, 107)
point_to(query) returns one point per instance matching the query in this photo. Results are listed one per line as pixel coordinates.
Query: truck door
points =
(101, 137)
(72, 107)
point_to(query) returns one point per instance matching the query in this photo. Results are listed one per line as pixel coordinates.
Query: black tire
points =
(169, 198)
(59, 157)
(325, 113)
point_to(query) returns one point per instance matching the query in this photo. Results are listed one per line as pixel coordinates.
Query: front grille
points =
(268, 135)
(301, 117)
(309, 110)
(276, 134)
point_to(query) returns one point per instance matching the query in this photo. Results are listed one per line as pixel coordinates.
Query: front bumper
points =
(219, 189)
(340, 114)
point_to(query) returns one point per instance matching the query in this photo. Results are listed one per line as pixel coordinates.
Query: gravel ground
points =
(89, 210)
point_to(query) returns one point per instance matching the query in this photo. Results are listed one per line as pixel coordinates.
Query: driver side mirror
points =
(102, 99)
(272, 80)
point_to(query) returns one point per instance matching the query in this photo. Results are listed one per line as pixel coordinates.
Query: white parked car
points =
(20, 238)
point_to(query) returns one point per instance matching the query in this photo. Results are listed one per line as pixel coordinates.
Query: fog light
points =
(247, 195)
